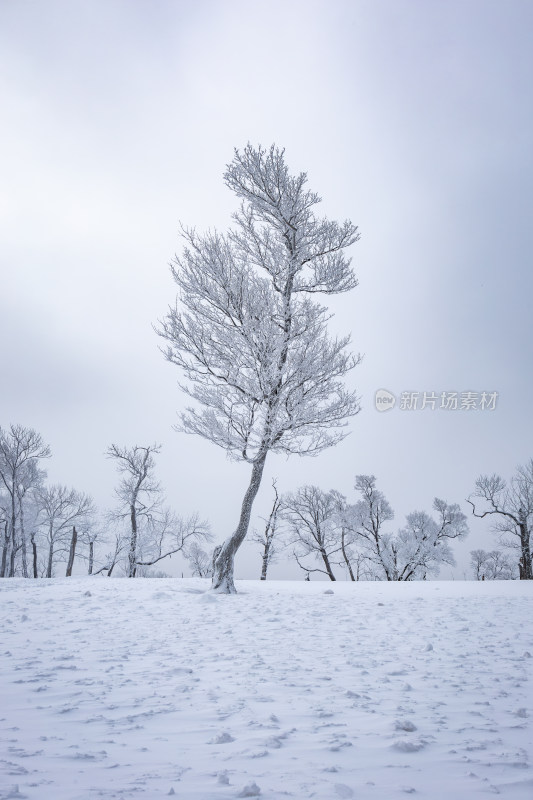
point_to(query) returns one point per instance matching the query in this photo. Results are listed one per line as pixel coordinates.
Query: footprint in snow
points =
(406, 746)
(207, 597)
(251, 790)
(404, 725)
(341, 790)
(222, 738)
(14, 794)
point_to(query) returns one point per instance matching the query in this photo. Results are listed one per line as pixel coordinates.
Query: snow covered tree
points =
(311, 514)
(366, 520)
(249, 339)
(492, 566)
(512, 507)
(353, 559)
(423, 545)
(269, 537)
(200, 561)
(20, 451)
(417, 549)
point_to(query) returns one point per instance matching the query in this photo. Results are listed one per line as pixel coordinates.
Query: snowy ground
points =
(149, 688)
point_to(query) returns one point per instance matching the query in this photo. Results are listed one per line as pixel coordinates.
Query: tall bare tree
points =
(249, 339)
(511, 507)
(20, 451)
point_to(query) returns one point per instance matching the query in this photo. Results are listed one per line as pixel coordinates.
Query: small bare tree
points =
(311, 514)
(138, 492)
(200, 561)
(511, 506)
(60, 510)
(20, 451)
(119, 545)
(90, 535)
(155, 532)
(269, 537)
(249, 339)
(492, 566)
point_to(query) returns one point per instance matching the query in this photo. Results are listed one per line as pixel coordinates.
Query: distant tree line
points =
(327, 535)
(45, 528)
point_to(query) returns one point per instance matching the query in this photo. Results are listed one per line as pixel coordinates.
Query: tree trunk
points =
(12, 560)
(72, 552)
(5, 549)
(13, 530)
(23, 542)
(325, 559)
(526, 573)
(50, 560)
(91, 557)
(345, 555)
(265, 561)
(224, 565)
(13, 534)
(132, 555)
(34, 548)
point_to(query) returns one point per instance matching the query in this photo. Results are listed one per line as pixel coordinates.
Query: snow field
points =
(150, 688)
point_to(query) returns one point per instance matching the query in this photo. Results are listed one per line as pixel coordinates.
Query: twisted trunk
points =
(224, 564)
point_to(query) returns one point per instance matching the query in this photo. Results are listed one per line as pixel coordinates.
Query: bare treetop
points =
(275, 201)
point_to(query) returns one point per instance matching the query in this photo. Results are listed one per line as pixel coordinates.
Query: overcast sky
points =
(412, 118)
